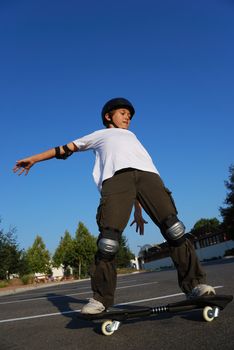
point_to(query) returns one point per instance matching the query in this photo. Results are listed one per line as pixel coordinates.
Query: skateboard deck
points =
(112, 318)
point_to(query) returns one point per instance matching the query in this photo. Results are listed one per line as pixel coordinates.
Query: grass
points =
(123, 270)
(4, 284)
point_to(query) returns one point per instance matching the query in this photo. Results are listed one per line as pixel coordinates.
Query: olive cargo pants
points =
(118, 196)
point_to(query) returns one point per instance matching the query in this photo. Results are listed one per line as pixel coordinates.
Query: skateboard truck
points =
(109, 327)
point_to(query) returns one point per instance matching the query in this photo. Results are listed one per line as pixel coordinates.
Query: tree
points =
(85, 249)
(64, 254)
(204, 226)
(227, 213)
(9, 253)
(124, 254)
(24, 267)
(38, 257)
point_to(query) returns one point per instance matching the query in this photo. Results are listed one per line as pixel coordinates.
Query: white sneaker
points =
(200, 290)
(93, 307)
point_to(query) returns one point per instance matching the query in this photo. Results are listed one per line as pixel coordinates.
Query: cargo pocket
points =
(171, 198)
(100, 215)
(92, 269)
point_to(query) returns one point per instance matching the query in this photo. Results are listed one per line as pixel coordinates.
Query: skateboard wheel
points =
(107, 328)
(208, 314)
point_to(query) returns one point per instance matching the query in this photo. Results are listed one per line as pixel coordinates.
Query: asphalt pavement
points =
(47, 318)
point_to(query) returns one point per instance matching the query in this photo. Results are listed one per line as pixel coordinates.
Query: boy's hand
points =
(23, 165)
(138, 219)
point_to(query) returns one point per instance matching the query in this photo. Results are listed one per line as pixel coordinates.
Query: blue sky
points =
(62, 60)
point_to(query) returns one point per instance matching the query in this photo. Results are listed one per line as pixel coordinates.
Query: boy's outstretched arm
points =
(60, 152)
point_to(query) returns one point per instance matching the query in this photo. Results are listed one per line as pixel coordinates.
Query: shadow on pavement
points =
(63, 304)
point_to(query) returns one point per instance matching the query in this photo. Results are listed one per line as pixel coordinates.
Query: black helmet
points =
(116, 103)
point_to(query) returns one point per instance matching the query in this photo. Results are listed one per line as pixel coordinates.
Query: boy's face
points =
(121, 118)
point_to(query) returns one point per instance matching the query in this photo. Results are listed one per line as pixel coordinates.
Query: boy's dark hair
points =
(116, 103)
(108, 122)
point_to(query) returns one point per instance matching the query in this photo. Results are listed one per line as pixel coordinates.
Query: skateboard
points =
(112, 318)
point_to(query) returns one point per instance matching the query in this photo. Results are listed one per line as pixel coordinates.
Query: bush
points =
(3, 284)
(27, 279)
(125, 270)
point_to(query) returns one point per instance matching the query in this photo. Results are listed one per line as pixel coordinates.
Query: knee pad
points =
(108, 242)
(108, 246)
(173, 230)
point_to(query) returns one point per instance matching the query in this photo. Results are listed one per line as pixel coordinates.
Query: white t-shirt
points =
(115, 149)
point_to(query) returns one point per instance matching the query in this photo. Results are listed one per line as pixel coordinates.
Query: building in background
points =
(208, 246)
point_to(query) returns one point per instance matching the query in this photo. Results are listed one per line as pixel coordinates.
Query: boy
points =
(126, 176)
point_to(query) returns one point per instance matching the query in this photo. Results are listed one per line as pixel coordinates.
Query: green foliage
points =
(64, 254)
(124, 254)
(24, 267)
(38, 256)
(9, 254)
(204, 226)
(227, 213)
(27, 279)
(4, 284)
(77, 253)
(84, 250)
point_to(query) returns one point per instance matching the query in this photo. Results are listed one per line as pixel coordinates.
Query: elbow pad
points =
(67, 152)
